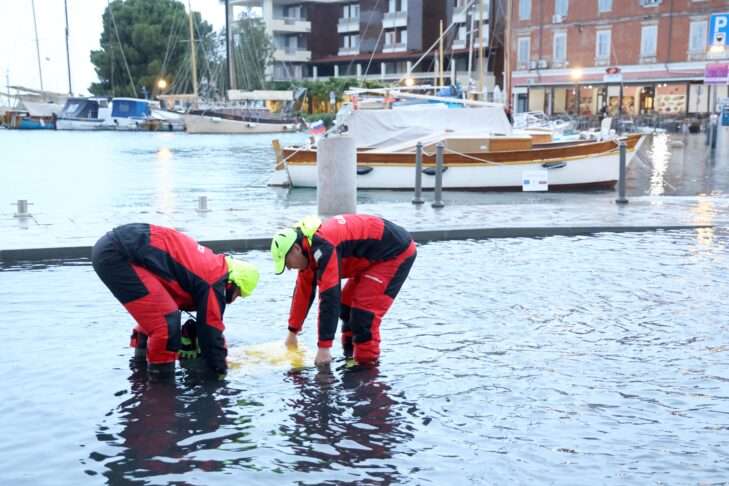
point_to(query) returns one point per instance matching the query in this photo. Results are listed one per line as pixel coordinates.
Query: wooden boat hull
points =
(568, 166)
(211, 124)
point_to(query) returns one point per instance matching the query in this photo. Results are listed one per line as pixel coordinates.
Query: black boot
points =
(161, 371)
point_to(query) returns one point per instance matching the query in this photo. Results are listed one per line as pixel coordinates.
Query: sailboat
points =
(481, 151)
(36, 109)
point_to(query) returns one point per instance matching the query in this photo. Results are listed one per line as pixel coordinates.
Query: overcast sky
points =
(18, 60)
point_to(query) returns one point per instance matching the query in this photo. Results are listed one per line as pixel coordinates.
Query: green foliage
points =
(317, 92)
(153, 37)
(253, 53)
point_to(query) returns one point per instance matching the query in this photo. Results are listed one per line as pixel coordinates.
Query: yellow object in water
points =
(268, 355)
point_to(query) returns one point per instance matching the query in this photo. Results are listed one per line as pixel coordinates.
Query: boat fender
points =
(431, 170)
(554, 165)
(364, 169)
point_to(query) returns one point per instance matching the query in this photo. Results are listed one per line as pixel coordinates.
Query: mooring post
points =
(202, 204)
(438, 201)
(418, 174)
(621, 175)
(336, 183)
(21, 208)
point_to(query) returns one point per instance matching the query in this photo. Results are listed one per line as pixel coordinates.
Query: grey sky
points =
(17, 50)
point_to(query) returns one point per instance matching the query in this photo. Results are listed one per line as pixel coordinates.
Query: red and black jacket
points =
(194, 276)
(342, 247)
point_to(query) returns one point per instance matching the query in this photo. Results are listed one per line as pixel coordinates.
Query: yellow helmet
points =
(243, 274)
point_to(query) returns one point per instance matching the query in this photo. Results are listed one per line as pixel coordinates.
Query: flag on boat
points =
(317, 128)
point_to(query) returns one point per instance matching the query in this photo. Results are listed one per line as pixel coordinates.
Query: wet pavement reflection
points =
(585, 360)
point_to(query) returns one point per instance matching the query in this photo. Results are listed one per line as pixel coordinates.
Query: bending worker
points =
(373, 253)
(155, 272)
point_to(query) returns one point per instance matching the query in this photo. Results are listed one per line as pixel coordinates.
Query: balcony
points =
(348, 51)
(292, 54)
(395, 19)
(400, 47)
(460, 44)
(348, 24)
(291, 24)
(459, 15)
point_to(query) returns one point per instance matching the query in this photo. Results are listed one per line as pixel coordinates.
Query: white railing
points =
(348, 24)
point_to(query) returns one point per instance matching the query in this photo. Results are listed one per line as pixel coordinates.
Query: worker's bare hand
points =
(292, 341)
(323, 357)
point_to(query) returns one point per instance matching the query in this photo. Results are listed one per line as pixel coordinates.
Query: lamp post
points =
(576, 75)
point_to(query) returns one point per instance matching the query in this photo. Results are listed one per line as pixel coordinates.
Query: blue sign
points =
(719, 29)
(725, 116)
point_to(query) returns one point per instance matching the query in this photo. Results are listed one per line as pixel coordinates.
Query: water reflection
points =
(169, 428)
(661, 158)
(348, 422)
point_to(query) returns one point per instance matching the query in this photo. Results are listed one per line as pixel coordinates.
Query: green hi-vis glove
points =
(350, 364)
(189, 349)
(189, 346)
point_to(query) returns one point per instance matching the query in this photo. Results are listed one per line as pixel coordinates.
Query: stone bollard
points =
(418, 174)
(22, 208)
(621, 174)
(336, 183)
(202, 204)
(438, 201)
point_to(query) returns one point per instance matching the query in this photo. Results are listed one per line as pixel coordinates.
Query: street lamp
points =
(162, 84)
(409, 82)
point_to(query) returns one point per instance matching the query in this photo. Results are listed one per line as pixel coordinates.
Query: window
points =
(648, 36)
(604, 5)
(559, 47)
(393, 6)
(389, 37)
(697, 37)
(602, 45)
(560, 7)
(350, 11)
(522, 54)
(404, 36)
(525, 9)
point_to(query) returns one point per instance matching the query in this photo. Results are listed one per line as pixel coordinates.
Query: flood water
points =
(588, 360)
(593, 360)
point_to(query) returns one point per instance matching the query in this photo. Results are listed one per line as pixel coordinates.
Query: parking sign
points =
(719, 29)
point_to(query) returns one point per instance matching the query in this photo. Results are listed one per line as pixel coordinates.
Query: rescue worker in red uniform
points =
(156, 272)
(373, 253)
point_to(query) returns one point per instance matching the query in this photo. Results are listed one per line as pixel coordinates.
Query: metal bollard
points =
(621, 176)
(438, 201)
(202, 204)
(22, 208)
(418, 174)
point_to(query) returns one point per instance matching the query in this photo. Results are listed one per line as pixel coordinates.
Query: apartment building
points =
(620, 56)
(379, 39)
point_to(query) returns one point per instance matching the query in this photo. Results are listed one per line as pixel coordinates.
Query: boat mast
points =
(440, 55)
(37, 48)
(480, 49)
(507, 57)
(192, 55)
(68, 55)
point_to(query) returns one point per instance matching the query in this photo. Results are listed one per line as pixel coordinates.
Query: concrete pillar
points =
(336, 70)
(383, 70)
(359, 71)
(315, 72)
(336, 186)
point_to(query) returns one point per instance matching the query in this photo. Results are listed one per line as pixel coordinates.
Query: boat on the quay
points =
(481, 152)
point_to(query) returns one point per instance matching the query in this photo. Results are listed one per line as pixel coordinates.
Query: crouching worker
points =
(155, 273)
(373, 253)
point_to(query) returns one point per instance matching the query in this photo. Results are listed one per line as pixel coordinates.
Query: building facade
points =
(631, 57)
(381, 39)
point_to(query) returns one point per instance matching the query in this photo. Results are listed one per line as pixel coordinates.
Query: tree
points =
(253, 52)
(145, 40)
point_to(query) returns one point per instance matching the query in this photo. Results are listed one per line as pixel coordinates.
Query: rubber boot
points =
(161, 371)
(139, 343)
